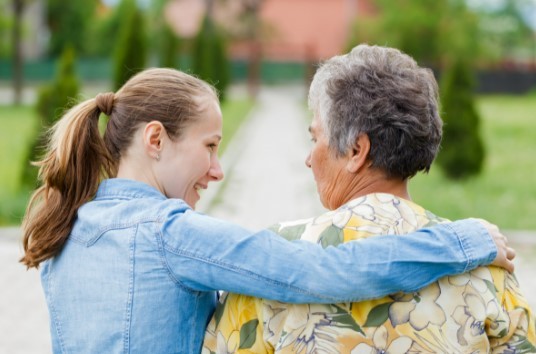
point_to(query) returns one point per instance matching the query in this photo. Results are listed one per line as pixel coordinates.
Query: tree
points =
(166, 42)
(4, 29)
(462, 152)
(106, 27)
(52, 102)
(68, 22)
(429, 31)
(168, 47)
(210, 61)
(506, 31)
(131, 51)
(54, 99)
(17, 61)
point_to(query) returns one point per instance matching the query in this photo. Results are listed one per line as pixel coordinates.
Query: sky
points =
(143, 3)
(528, 10)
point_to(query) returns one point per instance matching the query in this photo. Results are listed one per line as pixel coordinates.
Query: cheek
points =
(319, 161)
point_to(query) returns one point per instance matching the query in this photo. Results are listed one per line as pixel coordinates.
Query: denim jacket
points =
(139, 272)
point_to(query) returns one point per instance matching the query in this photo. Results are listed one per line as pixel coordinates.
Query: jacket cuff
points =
(475, 241)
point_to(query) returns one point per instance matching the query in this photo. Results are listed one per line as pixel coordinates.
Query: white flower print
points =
(419, 308)
(381, 344)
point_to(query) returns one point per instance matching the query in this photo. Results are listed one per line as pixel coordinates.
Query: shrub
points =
(168, 47)
(52, 101)
(210, 61)
(131, 49)
(462, 152)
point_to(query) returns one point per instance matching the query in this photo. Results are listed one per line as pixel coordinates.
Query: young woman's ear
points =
(153, 135)
(358, 154)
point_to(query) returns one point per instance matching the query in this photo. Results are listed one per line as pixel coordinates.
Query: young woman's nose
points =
(216, 172)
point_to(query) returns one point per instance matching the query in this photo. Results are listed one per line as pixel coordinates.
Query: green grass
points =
(234, 112)
(505, 192)
(18, 128)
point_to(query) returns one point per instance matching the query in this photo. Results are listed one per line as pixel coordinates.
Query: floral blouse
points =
(477, 312)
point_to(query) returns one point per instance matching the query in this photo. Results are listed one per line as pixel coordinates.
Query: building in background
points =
(287, 30)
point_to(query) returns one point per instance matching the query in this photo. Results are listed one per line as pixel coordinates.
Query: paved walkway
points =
(266, 179)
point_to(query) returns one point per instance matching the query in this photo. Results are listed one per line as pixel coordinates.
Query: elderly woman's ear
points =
(358, 154)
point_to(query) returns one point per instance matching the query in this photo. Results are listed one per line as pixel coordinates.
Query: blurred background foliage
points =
(96, 45)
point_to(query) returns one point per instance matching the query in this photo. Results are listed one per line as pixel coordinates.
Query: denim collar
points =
(127, 189)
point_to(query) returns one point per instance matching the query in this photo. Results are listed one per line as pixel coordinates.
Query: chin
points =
(324, 203)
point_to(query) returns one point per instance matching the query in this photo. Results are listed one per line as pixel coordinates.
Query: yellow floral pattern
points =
(481, 311)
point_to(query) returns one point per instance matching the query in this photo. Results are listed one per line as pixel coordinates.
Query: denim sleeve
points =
(203, 254)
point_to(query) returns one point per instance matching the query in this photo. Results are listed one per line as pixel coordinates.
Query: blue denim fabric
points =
(138, 273)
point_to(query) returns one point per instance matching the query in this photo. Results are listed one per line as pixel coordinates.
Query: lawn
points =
(234, 113)
(505, 193)
(18, 127)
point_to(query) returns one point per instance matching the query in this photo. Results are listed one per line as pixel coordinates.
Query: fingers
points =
(504, 257)
(510, 253)
(509, 266)
(505, 254)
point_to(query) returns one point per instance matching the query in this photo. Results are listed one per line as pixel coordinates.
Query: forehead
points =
(316, 126)
(208, 121)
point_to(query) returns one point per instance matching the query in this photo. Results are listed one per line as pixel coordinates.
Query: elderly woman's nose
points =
(308, 160)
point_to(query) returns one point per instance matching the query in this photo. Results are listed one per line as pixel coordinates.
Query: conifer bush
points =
(462, 152)
(53, 101)
(131, 50)
(168, 47)
(210, 61)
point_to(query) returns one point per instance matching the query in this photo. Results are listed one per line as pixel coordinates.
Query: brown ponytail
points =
(79, 158)
(76, 161)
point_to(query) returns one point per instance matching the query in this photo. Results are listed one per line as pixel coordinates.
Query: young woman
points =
(129, 266)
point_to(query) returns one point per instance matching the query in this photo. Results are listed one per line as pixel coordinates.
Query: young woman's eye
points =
(212, 147)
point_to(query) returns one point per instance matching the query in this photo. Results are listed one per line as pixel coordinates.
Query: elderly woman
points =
(376, 124)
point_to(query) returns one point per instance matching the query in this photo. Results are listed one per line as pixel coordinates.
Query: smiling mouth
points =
(199, 187)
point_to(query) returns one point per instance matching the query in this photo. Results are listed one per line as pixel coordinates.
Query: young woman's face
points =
(191, 162)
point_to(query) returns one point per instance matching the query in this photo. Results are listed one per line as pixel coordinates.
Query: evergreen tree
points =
(131, 50)
(69, 22)
(60, 95)
(168, 47)
(52, 102)
(106, 28)
(210, 61)
(462, 152)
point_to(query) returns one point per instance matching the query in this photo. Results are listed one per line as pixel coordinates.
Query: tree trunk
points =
(252, 9)
(209, 4)
(16, 62)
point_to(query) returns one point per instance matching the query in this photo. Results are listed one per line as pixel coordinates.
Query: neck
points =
(377, 182)
(131, 168)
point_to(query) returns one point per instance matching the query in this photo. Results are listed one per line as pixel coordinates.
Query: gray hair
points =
(383, 93)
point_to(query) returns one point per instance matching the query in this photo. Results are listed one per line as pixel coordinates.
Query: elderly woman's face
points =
(329, 171)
